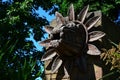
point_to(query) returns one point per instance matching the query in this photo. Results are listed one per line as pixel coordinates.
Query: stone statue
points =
(70, 41)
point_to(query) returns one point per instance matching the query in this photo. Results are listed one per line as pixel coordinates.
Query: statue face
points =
(73, 32)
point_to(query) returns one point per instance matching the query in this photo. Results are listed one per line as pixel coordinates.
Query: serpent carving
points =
(70, 38)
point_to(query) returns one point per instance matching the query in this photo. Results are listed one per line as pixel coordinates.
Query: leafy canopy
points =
(19, 59)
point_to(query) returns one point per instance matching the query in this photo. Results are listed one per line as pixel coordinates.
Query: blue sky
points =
(42, 13)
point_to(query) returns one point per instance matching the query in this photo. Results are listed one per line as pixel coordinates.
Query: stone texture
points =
(95, 65)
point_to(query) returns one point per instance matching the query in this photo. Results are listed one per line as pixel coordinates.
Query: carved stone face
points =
(70, 37)
(73, 34)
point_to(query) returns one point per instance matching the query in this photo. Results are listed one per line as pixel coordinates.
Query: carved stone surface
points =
(69, 48)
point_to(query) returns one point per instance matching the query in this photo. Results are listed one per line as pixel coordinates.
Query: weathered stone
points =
(94, 65)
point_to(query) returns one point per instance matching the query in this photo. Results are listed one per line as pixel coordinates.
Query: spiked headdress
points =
(70, 37)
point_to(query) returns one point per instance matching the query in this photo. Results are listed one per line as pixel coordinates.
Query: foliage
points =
(108, 7)
(14, 67)
(18, 56)
(112, 73)
(19, 59)
(112, 57)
